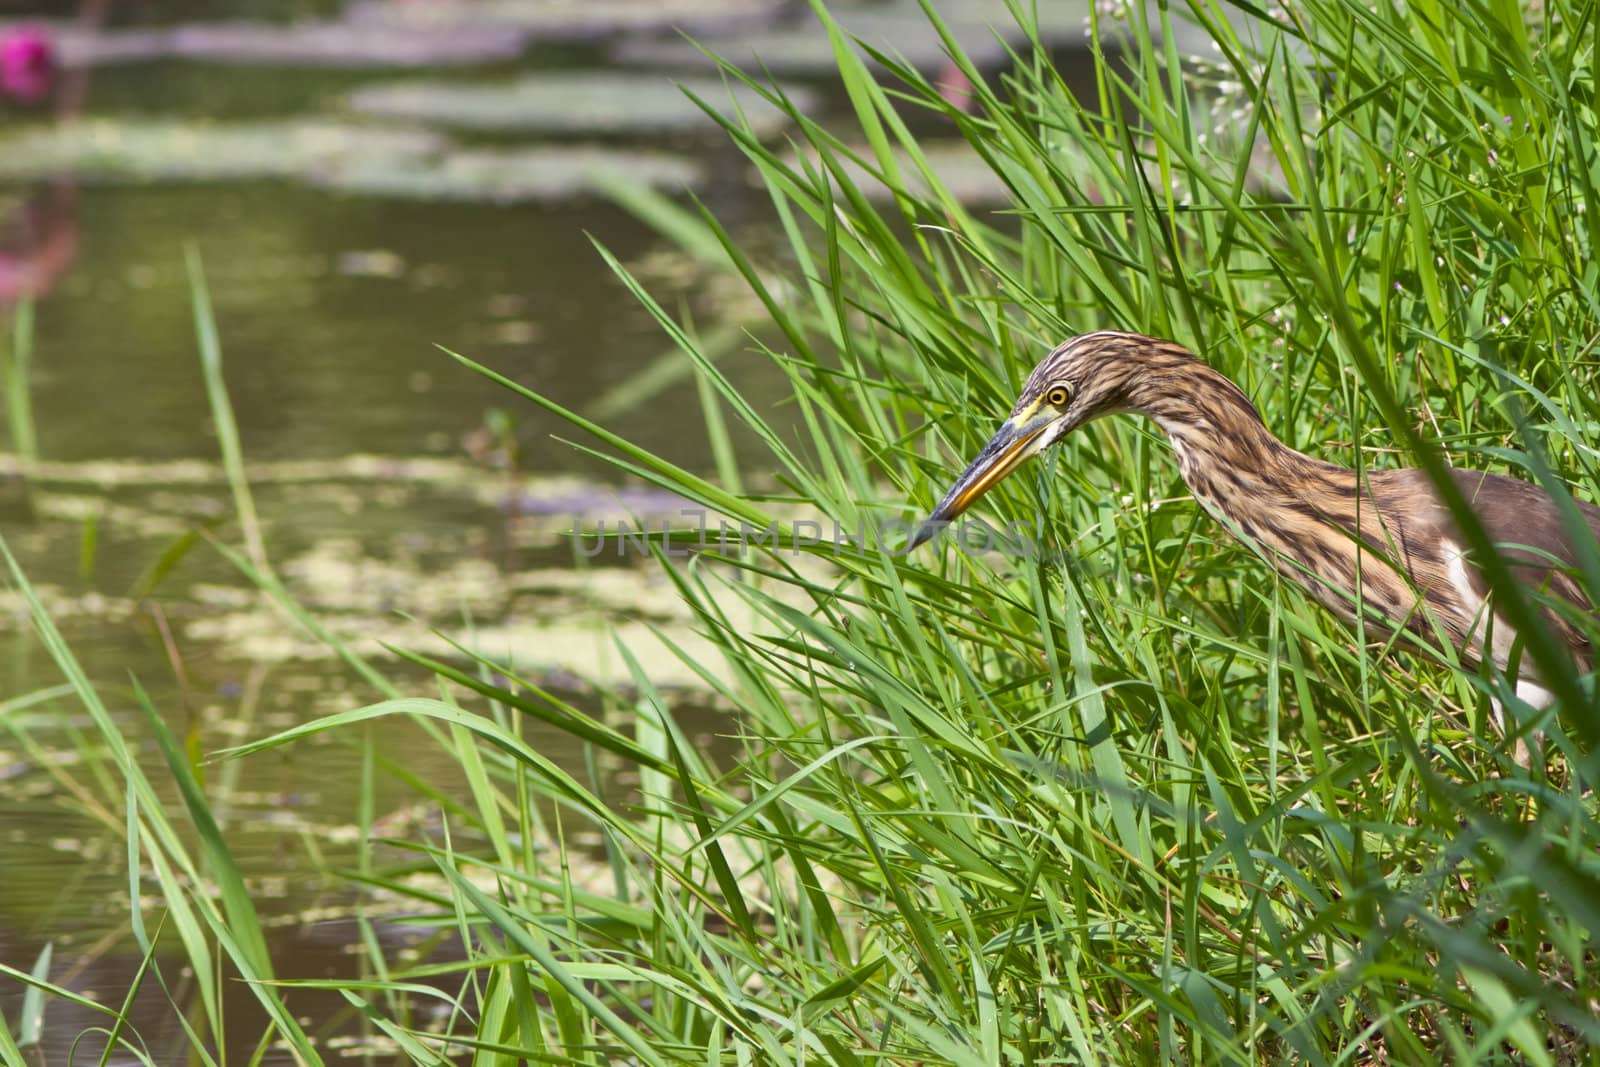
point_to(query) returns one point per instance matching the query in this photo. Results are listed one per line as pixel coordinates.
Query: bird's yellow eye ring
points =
(1057, 396)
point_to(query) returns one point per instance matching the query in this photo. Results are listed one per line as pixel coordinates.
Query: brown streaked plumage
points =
(1318, 523)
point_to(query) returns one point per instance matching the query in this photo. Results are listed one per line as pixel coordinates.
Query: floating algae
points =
(301, 44)
(393, 161)
(511, 175)
(550, 21)
(178, 150)
(587, 102)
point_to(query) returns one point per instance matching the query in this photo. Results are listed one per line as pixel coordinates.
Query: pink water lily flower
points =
(27, 64)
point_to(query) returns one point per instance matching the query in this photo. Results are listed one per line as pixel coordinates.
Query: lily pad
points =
(572, 102)
(304, 44)
(505, 176)
(392, 162)
(961, 170)
(186, 151)
(569, 20)
(983, 29)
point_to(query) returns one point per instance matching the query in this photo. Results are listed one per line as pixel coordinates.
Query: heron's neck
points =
(1232, 463)
(1306, 517)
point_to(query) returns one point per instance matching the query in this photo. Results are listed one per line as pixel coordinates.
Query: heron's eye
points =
(1057, 396)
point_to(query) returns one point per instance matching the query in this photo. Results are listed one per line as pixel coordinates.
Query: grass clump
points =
(1126, 798)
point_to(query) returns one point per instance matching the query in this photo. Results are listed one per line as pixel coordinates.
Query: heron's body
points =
(1382, 540)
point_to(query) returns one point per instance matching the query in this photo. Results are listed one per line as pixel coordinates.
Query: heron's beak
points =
(1004, 453)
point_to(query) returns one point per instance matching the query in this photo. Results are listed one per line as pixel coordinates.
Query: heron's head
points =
(1081, 380)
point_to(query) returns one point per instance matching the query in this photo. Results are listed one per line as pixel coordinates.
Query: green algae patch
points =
(960, 170)
(348, 157)
(550, 21)
(330, 44)
(554, 625)
(573, 102)
(176, 150)
(498, 574)
(512, 175)
(984, 30)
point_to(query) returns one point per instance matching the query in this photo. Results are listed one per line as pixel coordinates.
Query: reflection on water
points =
(329, 310)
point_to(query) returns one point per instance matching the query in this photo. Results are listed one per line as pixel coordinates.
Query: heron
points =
(1380, 544)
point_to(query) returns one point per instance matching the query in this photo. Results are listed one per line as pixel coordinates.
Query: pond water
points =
(385, 479)
(329, 308)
